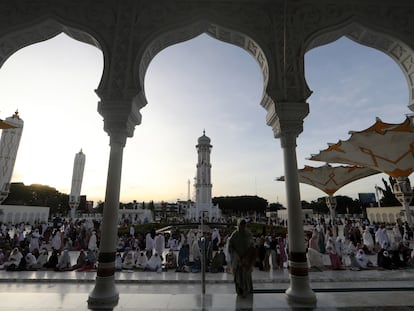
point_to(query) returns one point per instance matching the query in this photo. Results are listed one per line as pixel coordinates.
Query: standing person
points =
(159, 245)
(149, 243)
(93, 242)
(243, 255)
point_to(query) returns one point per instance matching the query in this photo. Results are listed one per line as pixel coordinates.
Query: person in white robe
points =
(92, 243)
(129, 261)
(397, 234)
(368, 240)
(362, 259)
(31, 261)
(154, 263)
(34, 241)
(14, 259)
(172, 243)
(43, 257)
(149, 244)
(381, 237)
(57, 240)
(159, 244)
(118, 262)
(142, 261)
(64, 261)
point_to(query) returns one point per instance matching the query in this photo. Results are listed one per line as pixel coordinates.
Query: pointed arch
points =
(181, 34)
(395, 48)
(15, 40)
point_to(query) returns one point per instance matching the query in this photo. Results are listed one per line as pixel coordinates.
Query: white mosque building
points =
(203, 207)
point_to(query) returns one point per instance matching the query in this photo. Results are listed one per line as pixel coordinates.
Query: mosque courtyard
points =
(335, 290)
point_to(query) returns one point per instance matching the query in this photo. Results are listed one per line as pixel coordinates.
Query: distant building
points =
(136, 214)
(307, 214)
(386, 214)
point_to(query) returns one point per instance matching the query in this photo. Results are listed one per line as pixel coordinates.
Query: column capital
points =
(285, 118)
(121, 116)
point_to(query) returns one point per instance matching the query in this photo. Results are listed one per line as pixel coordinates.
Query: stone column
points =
(299, 290)
(120, 118)
(286, 120)
(105, 295)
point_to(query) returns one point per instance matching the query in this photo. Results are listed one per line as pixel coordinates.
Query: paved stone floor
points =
(335, 290)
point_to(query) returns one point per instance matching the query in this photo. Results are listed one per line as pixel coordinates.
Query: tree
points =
(274, 207)
(100, 207)
(237, 205)
(388, 197)
(38, 195)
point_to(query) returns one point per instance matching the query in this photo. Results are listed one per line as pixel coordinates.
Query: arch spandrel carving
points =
(234, 22)
(384, 25)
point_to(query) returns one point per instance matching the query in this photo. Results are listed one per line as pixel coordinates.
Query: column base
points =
(104, 296)
(300, 292)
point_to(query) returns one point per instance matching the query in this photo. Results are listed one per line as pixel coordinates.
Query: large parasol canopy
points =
(384, 147)
(388, 148)
(330, 179)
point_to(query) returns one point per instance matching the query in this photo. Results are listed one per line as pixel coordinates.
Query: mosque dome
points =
(204, 140)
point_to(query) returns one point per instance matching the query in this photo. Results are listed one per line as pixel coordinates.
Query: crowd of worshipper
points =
(361, 246)
(50, 246)
(47, 246)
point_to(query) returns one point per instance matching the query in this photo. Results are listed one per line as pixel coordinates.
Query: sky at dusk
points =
(201, 84)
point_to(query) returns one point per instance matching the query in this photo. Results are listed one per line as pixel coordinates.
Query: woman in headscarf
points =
(129, 261)
(64, 262)
(362, 259)
(368, 240)
(243, 255)
(142, 261)
(154, 263)
(183, 256)
(14, 259)
(43, 257)
(31, 262)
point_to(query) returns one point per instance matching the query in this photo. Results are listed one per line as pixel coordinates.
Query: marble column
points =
(105, 295)
(120, 119)
(299, 289)
(286, 120)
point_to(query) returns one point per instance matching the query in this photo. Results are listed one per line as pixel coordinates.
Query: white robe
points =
(362, 259)
(381, 237)
(92, 244)
(154, 263)
(367, 239)
(142, 261)
(159, 244)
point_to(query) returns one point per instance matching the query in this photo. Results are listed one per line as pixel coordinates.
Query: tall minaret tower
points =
(77, 177)
(9, 144)
(203, 179)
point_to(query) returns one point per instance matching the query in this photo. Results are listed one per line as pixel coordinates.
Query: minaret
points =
(77, 176)
(9, 144)
(188, 190)
(203, 179)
